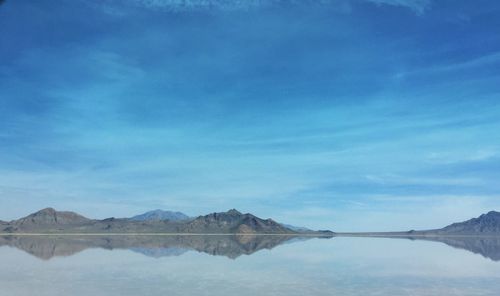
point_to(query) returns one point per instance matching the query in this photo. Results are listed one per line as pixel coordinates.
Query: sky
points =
(350, 115)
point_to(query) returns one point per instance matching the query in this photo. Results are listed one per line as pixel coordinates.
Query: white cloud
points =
(455, 66)
(180, 5)
(448, 157)
(418, 6)
(391, 179)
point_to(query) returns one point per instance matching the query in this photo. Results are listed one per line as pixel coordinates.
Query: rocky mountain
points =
(486, 224)
(233, 221)
(230, 222)
(296, 228)
(159, 215)
(45, 219)
(49, 216)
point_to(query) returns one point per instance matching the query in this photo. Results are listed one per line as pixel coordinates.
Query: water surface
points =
(247, 265)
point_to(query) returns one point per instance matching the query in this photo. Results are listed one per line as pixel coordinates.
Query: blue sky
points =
(348, 115)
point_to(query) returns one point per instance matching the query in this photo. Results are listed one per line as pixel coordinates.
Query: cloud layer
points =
(314, 117)
(419, 6)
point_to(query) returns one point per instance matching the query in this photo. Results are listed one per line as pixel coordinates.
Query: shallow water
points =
(230, 265)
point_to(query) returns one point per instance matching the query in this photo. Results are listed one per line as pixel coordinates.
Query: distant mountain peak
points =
(492, 214)
(48, 211)
(161, 215)
(157, 211)
(296, 228)
(234, 212)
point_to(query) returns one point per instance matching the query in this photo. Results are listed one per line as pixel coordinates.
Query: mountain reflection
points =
(231, 246)
(488, 247)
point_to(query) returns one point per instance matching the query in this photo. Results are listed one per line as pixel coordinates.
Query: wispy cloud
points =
(418, 6)
(400, 180)
(471, 64)
(112, 6)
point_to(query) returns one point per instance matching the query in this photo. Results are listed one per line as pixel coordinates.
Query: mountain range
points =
(231, 222)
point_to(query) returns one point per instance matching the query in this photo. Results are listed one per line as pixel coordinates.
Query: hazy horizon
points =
(349, 115)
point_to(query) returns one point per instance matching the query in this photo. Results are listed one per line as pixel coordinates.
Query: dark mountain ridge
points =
(233, 221)
(486, 224)
(50, 216)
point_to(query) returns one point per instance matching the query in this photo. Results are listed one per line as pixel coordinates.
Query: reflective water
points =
(248, 265)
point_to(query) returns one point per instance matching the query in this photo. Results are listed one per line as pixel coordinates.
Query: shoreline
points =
(341, 234)
(406, 235)
(165, 234)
